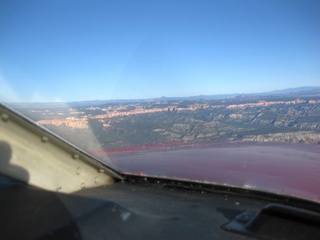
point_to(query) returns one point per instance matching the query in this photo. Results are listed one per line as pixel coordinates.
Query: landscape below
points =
(168, 122)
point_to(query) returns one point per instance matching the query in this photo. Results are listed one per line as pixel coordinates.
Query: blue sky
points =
(67, 50)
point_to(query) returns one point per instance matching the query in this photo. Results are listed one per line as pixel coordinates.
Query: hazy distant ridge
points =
(304, 90)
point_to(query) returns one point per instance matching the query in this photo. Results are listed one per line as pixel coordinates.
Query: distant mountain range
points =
(305, 89)
(298, 91)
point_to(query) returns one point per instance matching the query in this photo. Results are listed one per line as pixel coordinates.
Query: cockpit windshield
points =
(223, 92)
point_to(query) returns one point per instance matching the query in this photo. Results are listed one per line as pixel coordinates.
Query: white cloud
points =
(57, 99)
(36, 97)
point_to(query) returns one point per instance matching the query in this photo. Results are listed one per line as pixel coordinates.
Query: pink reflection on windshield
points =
(281, 168)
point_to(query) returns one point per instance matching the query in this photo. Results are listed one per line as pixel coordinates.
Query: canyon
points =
(293, 119)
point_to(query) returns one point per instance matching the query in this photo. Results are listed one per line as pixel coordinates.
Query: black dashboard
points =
(146, 208)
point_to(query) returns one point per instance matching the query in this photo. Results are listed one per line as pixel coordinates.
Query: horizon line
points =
(163, 97)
